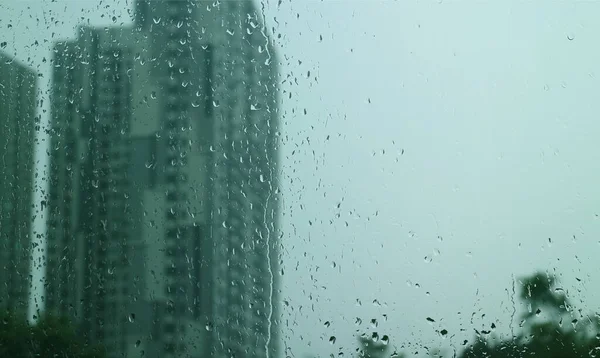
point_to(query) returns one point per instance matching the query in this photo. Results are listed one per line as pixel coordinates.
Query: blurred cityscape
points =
(162, 215)
(162, 208)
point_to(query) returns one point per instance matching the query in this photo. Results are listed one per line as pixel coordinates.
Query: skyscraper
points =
(17, 110)
(164, 139)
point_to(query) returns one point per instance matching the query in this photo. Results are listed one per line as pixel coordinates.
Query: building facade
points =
(17, 110)
(163, 232)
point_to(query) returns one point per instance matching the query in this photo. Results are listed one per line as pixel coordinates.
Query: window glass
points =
(269, 178)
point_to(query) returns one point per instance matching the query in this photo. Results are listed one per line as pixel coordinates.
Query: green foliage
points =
(50, 337)
(15, 337)
(550, 329)
(559, 335)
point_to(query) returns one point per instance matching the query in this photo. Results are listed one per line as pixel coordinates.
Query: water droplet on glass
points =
(132, 317)
(332, 339)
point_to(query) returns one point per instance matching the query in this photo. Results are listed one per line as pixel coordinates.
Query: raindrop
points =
(132, 317)
(332, 339)
(385, 339)
(137, 343)
(570, 37)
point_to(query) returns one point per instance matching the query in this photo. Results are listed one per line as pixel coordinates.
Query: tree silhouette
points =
(50, 337)
(550, 327)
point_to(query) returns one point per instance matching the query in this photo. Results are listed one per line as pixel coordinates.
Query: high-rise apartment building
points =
(163, 225)
(17, 111)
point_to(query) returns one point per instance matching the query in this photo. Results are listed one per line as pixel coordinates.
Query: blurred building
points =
(17, 111)
(163, 200)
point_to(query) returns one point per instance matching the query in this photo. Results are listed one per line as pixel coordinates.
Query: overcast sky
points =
(435, 151)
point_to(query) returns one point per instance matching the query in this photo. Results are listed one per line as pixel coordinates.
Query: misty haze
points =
(268, 178)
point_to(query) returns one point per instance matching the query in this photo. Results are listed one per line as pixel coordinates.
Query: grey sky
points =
(494, 107)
